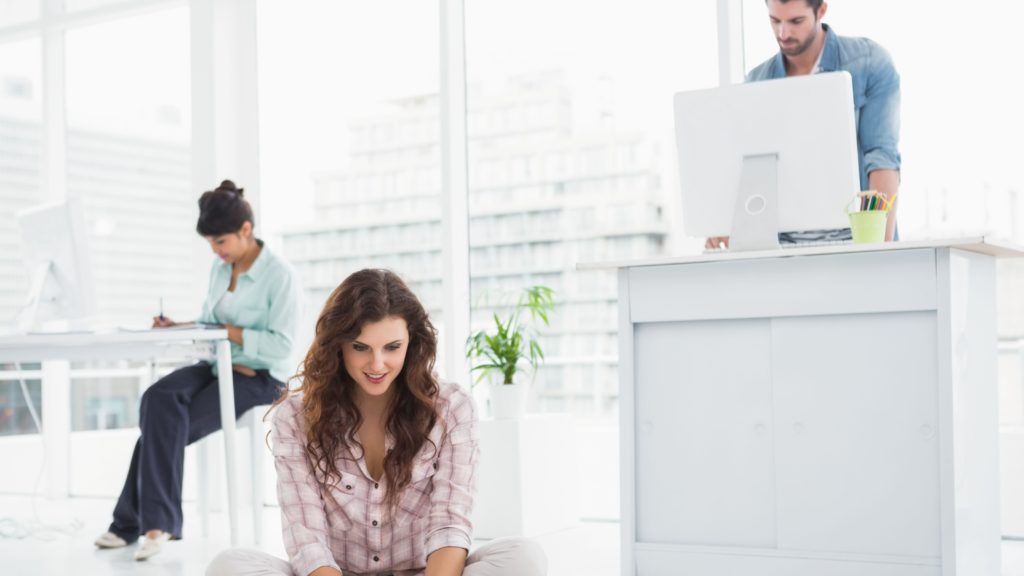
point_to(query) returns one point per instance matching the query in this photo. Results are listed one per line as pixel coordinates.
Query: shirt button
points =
(376, 485)
(376, 558)
(374, 522)
(435, 465)
(348, 486)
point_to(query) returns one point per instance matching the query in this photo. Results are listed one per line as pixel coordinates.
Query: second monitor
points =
(55, 244)
(756, 159)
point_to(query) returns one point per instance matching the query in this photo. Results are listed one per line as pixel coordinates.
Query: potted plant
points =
(511, 342)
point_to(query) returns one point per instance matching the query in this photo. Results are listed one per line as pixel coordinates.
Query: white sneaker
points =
(110, 540)
(151, 546)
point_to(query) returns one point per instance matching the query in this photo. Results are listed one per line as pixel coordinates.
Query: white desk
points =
(55, 350)
(813, 411)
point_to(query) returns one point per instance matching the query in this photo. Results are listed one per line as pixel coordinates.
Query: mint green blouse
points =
(265, 304)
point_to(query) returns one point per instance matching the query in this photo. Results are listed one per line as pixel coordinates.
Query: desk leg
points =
(56, 416)
(227, 420)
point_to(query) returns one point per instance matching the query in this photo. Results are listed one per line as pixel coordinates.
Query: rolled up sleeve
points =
(454, 484)
(303, 516)
(878, 132)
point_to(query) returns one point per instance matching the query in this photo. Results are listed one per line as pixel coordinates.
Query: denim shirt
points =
(876, 96)
(265, 306)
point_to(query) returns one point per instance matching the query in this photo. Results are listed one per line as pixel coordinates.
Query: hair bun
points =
(229, 186)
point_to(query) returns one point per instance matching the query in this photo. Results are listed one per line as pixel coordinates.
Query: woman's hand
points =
(163, 322)
(325, 571)
(447, 561)
(234, 334)
(241, 369)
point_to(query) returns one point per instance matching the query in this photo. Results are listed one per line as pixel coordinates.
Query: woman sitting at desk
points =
(253, 294)
(376, 457)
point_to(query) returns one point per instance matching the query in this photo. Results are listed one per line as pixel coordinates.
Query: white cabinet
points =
(818, 412)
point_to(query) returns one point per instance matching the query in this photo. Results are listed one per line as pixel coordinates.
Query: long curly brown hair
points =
(328, 404)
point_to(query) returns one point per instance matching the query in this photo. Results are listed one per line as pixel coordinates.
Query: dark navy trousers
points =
(176, 411)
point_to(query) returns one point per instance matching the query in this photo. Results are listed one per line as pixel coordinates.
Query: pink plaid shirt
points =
(347, 527)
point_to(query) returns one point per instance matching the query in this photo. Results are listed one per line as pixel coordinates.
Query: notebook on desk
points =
(181, 326)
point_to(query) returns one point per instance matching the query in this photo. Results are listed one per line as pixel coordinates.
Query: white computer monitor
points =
(766, 157)
(55, 245)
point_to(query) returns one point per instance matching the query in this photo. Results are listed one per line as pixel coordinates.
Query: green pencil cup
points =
(868, 227)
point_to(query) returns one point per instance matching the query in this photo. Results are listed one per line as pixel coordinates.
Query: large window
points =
(571, 160)
(129, 161)
(349, 141)
(21, 137)
(18, 11)
(82, 5)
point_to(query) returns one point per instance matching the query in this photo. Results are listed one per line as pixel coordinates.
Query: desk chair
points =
(253, 421)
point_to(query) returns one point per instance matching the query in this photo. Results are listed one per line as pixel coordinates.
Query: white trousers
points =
(501, 557)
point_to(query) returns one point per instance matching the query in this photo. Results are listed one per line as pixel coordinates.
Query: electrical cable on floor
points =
(11, 528)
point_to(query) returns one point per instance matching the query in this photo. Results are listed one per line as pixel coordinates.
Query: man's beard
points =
(797, 49)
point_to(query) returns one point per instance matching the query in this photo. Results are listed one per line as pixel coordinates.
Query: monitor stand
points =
(36, 295)
(755, 221)
(42, 312)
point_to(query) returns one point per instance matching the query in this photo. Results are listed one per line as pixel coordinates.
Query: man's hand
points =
(716, 243)
(887, 182)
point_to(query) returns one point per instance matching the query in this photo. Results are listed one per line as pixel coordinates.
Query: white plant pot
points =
(508, 401)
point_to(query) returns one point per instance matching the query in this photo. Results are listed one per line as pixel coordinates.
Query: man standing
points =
(808, 46)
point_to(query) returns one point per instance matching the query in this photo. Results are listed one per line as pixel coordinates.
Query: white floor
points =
(66, 548)
(63, 545)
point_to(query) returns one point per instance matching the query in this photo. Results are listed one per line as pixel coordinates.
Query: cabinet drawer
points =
(900, 280)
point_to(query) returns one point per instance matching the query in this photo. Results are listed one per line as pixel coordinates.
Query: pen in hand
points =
(162, 321)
